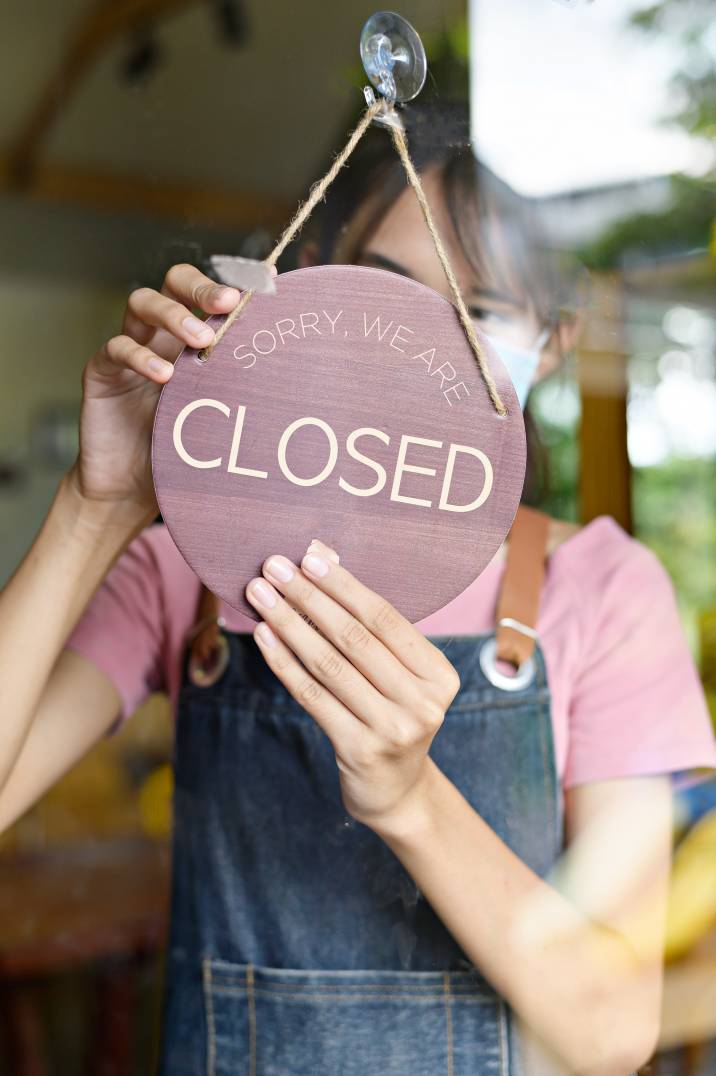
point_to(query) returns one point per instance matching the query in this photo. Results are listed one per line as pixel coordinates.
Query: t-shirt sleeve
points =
(122, 627)
(637, 705)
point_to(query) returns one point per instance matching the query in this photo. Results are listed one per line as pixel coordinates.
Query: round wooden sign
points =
(346, 407)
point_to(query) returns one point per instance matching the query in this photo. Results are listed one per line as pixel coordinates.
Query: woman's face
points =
(402, 244)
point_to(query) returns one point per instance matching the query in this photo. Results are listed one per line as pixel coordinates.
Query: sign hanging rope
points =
(384, 109)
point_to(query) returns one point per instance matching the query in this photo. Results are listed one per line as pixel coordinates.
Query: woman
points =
(366, 810)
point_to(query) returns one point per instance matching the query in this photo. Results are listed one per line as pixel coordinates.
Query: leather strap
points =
(207, 612)
(521, 586)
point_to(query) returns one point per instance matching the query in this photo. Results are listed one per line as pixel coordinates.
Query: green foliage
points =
(448, 61)
(554, 409)
(684, 225)
(687, 22)
(562, 448)
(687, 222)
(674, 516)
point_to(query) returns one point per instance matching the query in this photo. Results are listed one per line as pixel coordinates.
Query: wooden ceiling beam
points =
(220, 207)
(97, 30)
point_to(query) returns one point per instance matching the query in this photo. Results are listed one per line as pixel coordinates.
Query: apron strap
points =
(521, 588)
(207, 612)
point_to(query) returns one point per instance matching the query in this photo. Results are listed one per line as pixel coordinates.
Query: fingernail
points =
(221, 293)
(159, 366)
(315, 565)
(318, 546)
(198, 328)
(279, 568)
(265, 634)
(262, 592)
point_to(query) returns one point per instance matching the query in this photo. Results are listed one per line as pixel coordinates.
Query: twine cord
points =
(401, 144)
(318, 192)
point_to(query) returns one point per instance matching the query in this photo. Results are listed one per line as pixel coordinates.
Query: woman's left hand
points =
(376, 686)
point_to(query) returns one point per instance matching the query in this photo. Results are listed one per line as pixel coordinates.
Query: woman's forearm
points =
(44, 598)
(576, 984)
(106, 498)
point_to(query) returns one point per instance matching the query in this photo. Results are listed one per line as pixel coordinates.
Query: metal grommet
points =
(488, 663)
(203, 676)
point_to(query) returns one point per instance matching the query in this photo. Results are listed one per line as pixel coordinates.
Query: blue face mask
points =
(521, 362)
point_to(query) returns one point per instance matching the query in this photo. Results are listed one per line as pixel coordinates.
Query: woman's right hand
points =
(122, 381)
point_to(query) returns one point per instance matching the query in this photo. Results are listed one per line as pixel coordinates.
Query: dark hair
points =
(497, 229)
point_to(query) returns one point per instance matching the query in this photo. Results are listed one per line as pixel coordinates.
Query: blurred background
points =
(138, 133)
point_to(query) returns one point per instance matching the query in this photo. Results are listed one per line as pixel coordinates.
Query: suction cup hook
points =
(394, 60)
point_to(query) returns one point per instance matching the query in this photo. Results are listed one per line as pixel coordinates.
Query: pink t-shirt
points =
(626, 698)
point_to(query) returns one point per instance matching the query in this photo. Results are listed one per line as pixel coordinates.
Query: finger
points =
(147, 307)
(213, 298)
(218, 299)
(349, 635)
(381, 619)
(124, 352)
(320, 658)
(339, 724)
(217, 295)
(161, 342)
(190, 286)
(317, 546)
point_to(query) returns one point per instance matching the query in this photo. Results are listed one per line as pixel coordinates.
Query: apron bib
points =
(299, 945)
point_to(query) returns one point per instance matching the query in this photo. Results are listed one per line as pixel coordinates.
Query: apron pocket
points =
(284, 1022)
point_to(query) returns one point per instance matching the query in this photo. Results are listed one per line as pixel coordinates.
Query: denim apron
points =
(299, 945)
